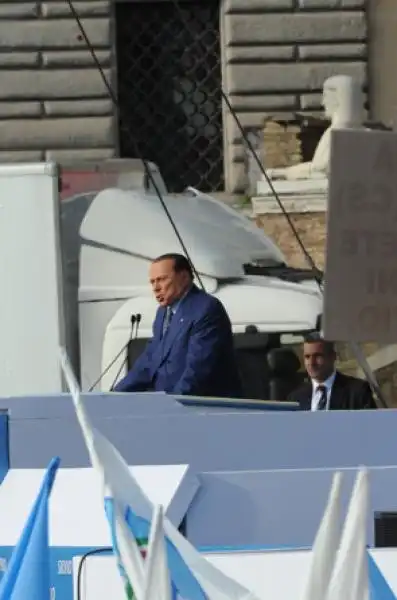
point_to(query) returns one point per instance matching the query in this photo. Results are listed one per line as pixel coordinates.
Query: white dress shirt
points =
(316, 395)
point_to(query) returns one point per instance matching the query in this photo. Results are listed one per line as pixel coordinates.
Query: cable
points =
(80, 569)
(120, 369)
(133, 319)
(137, 320)
(238, 123)
(246, 139)
(108, 550)
(251, 148)
(145, 163)
(254, 153)
(110, 365)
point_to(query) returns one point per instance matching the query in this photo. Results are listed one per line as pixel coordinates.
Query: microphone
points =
(138, 320)
(110, 365)
(134, 319)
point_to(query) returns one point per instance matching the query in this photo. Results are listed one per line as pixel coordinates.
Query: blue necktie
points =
(167, 319)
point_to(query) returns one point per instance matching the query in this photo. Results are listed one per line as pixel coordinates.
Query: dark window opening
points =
(385, 525)
(169, 90)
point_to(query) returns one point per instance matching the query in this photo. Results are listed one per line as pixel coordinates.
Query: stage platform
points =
(157, 429)
(257, 475)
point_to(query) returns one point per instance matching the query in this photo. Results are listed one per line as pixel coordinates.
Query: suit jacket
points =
(348, 393)
(196, 355)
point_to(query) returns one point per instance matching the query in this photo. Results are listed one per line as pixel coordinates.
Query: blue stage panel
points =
(102, 405)
(276, 508)
(138, 404)
(216, 441)
(4, 455)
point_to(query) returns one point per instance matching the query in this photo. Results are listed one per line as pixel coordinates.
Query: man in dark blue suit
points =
(191, 352)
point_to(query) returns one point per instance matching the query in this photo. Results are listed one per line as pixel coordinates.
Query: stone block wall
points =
(277, 55)
(53, 103)
(281, 144)
(311, 228)
(382, 52)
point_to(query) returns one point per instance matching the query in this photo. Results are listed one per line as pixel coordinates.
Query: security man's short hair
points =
(316, 337)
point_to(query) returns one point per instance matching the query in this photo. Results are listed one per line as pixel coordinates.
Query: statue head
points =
(343, 100)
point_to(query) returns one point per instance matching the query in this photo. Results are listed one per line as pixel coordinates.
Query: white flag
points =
(157, 576)
(326, 544)
(194, 577)
(126, 551)
(350, 576)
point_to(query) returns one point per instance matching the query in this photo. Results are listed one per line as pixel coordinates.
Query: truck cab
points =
(80, 241)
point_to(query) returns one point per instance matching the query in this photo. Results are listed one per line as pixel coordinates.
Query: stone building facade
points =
(53, 103)
(278, 54)
(275, 56)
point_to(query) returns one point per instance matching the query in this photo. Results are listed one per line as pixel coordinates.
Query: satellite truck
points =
(76, 243)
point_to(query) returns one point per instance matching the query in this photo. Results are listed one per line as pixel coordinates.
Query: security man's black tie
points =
(322, 405)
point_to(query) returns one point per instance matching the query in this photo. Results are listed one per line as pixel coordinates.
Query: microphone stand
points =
(137, 320)
(110, 365)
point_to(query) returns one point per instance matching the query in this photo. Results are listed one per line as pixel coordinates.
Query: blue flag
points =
(379, 587)
(28, 572)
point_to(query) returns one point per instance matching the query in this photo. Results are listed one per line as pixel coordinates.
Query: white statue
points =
(343, 103)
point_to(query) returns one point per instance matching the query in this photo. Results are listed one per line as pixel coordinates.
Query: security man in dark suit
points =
(328, 389)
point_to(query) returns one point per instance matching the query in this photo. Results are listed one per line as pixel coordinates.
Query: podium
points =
(237, 404)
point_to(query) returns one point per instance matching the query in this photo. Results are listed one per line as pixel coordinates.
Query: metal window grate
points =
(170, 90)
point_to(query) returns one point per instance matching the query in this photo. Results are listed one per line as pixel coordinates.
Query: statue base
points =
(300, 196)
(307, 203)
(295, 188)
